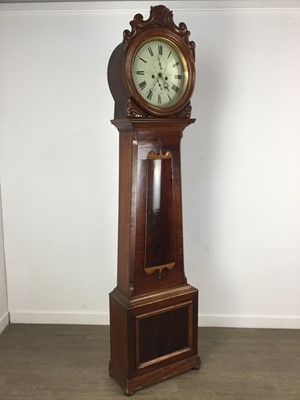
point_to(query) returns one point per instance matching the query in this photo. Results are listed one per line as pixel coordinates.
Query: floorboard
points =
(69, 362)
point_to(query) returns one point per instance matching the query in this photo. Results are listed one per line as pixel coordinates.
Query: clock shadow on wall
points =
(153, 310)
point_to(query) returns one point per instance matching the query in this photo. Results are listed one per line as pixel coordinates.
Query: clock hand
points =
(159, 63)
(166, 85)
(154, 83)
(161, 88)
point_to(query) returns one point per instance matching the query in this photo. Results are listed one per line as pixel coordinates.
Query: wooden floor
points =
(63, 362)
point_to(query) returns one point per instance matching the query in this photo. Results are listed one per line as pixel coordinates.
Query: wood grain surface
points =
(65, 362)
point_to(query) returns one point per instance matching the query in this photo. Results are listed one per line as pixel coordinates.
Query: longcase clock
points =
(153, 310)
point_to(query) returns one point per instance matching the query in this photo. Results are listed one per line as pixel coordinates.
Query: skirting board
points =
(250, 321)
(4, 321)
(46, 317)
(224, 321)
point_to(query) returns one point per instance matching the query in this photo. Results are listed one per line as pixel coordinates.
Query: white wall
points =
(3, 293)
(240, 161)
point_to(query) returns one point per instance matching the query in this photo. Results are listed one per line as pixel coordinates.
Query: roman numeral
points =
(160, 50)
(159, 99)
(150, 51)
(175, 88)
(142, 85)
(177, 76)
(143, 60)
(149, 95)
(140, 72)
(169, 54)
(169, 97)
(174, 65)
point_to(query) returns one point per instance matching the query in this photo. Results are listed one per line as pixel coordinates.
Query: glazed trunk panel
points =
(159, 232)
(159, 247)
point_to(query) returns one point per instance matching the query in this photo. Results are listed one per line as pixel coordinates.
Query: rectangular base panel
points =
(153, 337)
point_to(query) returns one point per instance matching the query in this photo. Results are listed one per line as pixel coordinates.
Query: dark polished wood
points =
(153, 310)
(153, 336)
(138, 138)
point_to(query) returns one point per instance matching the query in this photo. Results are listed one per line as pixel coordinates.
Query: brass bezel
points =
(185, 56)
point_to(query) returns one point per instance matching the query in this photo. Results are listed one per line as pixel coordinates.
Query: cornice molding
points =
(130, 7)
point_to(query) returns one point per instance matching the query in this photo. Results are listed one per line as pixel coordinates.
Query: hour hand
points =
(166, 85)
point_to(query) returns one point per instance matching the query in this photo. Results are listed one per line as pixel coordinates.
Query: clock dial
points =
(160, 73)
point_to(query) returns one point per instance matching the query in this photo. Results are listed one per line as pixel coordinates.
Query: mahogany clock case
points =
(153, 310)
(159, 25)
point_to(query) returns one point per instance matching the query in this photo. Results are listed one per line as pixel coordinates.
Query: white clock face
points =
(159, 73)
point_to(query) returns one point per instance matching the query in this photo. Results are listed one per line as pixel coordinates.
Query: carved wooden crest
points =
(160, 17)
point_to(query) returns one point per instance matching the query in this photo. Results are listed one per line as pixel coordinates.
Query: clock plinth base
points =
(132, 385)
(153, 337)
